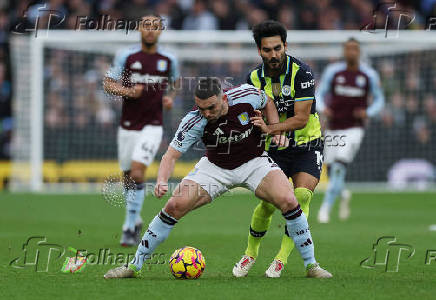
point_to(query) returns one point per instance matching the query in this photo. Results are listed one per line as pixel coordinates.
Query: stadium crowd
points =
(408, 119)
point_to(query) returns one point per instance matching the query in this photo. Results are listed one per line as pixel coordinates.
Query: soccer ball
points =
(187, 263)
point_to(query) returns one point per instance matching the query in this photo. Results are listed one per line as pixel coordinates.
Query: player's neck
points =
(353, 66)
(149, 49)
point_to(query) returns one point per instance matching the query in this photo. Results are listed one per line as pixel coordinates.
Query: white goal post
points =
(38, 132)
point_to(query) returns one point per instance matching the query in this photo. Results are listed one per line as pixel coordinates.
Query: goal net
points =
(66, 125)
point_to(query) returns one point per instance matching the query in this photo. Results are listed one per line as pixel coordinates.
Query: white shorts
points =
(216, 180)
(342, 144)
(138, 145)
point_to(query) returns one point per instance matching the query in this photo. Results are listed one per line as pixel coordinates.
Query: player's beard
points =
(280, 65)
(148, 45)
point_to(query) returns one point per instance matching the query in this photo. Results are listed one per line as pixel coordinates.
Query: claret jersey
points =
(154, 71)
(232, 140)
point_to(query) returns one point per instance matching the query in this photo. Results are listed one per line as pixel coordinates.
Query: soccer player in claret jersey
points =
(291, 84)
(235, 156)
(343, 99)
(142, 75)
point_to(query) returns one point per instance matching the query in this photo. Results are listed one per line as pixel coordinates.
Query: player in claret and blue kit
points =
(343, 96)
(235, 156)
(142, 75)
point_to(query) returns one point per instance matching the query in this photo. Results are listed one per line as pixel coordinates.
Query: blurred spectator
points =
(430, 108)
(227, 19)
(5, 93)
(199, 18)
(286, 16)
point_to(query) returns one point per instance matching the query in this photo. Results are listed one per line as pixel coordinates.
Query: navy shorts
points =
(293, 161)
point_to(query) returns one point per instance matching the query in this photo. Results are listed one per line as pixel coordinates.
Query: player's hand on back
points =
(259, 122)
(160, 189)
(167, 102)
(135, 91)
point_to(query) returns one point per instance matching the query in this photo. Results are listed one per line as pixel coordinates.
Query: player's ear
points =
(258, 51)
(285, 45)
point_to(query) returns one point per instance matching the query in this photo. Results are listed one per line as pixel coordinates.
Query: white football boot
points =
(275, 269)
(242, 267)
(323, 214)
(315, 271)
(123, 271)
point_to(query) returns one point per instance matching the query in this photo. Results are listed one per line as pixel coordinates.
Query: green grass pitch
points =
(220, 231)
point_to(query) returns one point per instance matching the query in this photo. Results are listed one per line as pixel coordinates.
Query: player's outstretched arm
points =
(113, 87)
(166, 168)
(270, 111)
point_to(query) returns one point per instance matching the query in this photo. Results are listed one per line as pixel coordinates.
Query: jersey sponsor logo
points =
(286, 90)
(340, 79)
(243, 118)
(360, 80)
(162, 65)
(307, 84)
(136, 65)
(349, 91)
(146, 78)
(235, 138)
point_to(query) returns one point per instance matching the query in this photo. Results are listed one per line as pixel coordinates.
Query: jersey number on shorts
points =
(319, 159)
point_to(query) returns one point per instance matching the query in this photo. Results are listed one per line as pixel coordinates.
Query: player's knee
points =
(175, 209)
(287, 202)
(137, 175)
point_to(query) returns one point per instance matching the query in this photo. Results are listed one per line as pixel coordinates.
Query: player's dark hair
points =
(151, 13)
(352, 39)
(207, 87)
(267, 29)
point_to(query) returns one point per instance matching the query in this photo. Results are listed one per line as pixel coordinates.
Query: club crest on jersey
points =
(286, 90)
(243, 118)
(162, 65)
(136, 65)
(360, 81)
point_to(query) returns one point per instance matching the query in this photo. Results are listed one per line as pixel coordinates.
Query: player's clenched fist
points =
(160, 189)
(259, 122)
